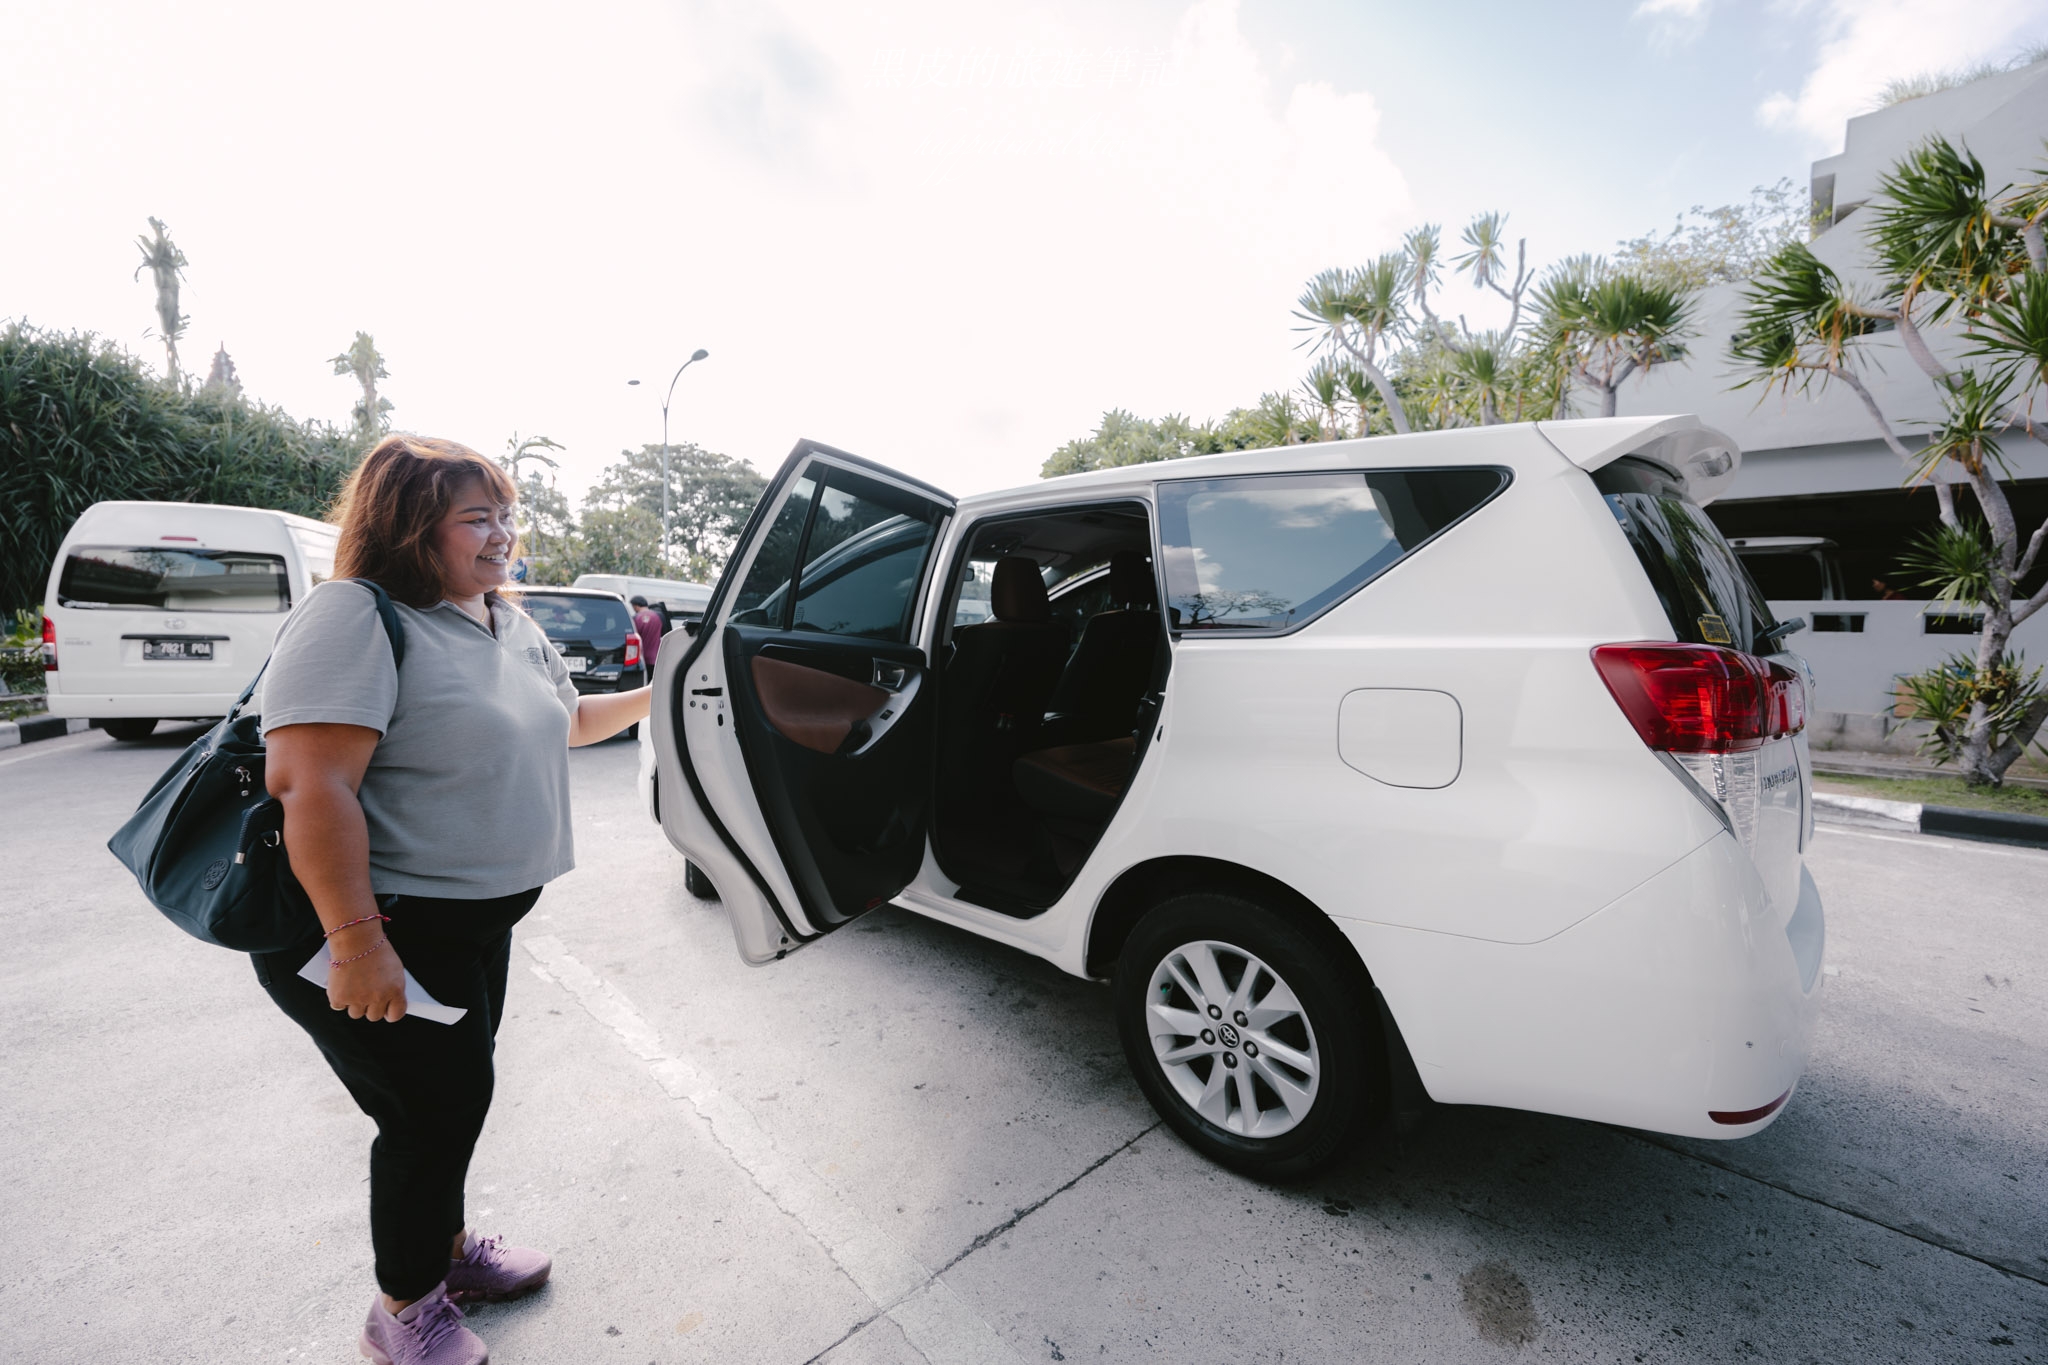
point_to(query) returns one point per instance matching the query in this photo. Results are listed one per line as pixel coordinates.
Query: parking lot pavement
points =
(905, 1144)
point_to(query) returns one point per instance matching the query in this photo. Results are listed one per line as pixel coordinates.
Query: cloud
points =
(1866, 43)
(1673, 23)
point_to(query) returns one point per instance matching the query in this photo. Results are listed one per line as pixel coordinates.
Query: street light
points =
(696, 356)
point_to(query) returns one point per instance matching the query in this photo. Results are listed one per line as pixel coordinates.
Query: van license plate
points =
(177, 649)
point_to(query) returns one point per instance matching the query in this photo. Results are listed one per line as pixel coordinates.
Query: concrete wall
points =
(1854, 672)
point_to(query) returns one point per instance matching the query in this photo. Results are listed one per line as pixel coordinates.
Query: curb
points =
(14, 732)
(1987, 826)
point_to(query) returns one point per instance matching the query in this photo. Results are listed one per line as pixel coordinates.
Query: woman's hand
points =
(372, 987)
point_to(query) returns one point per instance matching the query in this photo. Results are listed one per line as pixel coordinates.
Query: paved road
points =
(904, 1144)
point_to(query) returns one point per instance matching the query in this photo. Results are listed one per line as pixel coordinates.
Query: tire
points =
(1315, 1073)
(697, 884)
(129, 730)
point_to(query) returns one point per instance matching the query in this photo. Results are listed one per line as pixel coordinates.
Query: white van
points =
(167, 609)
(681, 599)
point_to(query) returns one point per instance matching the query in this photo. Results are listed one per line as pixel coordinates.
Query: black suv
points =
(594, 632)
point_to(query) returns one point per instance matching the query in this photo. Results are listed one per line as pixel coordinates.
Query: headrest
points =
(1130, 580)
(1017, 592)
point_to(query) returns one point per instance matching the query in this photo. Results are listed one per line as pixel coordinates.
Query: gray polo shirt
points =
(467, 794)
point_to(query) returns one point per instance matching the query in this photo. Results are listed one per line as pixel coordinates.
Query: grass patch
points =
(1937, 791)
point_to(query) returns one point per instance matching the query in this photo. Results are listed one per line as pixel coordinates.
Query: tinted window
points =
(862, 564)
(862, 546)
(1268, 552)
(564, 618)
(768, 576)
(173, 580)
(1699, 580)
(1786, 577)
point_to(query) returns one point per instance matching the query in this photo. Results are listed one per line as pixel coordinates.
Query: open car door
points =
(793, 737)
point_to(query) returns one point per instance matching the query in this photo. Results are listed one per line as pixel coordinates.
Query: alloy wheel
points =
(1232, 1039)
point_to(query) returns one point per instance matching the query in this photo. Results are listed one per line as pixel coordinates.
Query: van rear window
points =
(149, 578)
(1697, 576)
(1267, 552)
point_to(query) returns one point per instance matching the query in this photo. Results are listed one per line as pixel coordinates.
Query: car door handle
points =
(707, 691)
(890, 675)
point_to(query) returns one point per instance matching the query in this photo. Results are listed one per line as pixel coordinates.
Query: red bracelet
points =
(344, 961)
(353, 923)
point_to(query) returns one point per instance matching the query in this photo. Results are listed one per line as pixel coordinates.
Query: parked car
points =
(1792, 568)
(166, 609)
(1464, 765)
(593, 632)
(681, 601)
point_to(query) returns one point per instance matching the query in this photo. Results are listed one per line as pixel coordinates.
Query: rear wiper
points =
(1784, 628)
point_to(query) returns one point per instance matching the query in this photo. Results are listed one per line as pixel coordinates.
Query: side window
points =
(1265, 553)
(862, 563)
(844, 556)
(761, 598)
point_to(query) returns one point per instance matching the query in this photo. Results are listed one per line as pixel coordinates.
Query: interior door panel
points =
(810, 706)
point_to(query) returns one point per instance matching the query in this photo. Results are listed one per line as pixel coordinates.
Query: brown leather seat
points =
(997, 683)
(1077, 781)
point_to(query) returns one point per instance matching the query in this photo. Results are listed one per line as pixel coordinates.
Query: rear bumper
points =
(623, 681)
(142, 706)
(1684, 1007)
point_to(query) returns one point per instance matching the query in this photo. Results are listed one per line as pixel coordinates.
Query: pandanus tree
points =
(166, 266)
(1604, 326)
(1362, 313)
(1961, 259)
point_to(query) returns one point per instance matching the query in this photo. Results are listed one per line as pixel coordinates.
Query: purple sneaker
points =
(427, 1332)
(491, 1270)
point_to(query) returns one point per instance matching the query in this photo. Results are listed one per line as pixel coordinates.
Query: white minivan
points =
(161, 610)
(1465, 763)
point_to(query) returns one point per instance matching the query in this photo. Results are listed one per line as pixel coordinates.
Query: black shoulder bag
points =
(207, 842)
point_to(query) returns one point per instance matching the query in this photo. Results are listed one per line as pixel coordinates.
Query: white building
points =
(1814, 464)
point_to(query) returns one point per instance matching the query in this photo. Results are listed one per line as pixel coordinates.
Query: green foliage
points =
(1602, 324)
(1797, 322)
(710, 497)
(621, 540)
(1124, 439)
(1974, 415)
(1943, 696)
(2012, 332)
(82, 422)
(21, 653)
(1716, 246)
(1956, 561)
(1936, 230)
(1919, 86)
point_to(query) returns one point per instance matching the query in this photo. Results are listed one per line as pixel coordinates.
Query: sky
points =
(945, 236)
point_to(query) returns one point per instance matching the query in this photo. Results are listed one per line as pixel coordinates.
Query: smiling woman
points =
(424, 808)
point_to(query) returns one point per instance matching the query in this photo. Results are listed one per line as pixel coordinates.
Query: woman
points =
(424, 808)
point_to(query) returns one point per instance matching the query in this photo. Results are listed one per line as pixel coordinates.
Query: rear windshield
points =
(599, 620)
(1266, 552)
(149, 578)
(1698, 578)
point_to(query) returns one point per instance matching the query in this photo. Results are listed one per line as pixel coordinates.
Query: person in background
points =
(647, 621)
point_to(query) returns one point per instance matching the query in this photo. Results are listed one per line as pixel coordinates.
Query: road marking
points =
(62, 745)
(938, 1325)
(1931, 841)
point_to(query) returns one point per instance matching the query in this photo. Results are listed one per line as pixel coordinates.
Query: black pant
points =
(427, 1085)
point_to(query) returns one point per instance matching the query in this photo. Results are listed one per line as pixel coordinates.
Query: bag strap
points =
(388, 614)
(394, 630)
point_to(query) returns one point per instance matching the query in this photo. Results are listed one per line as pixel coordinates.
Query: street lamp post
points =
(695, 356)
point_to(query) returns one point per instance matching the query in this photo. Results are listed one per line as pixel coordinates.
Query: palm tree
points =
(1485, 366)
(1361, 312)
(1325, 385)
(1606, 325)
(366, 366)
(166, 265)
(1485, 240)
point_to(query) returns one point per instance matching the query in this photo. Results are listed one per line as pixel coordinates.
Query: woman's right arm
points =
(314, 771)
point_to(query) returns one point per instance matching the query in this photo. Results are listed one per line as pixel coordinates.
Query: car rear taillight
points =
(1711, 710)
(632, 648)
(49, 645)
(1688, 699)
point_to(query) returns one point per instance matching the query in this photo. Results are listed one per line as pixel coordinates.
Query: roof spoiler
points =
(1703, 458)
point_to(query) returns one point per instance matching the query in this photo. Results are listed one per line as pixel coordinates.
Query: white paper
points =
(417, 1001)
